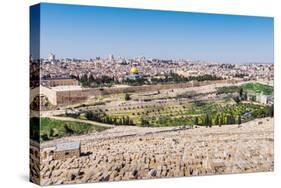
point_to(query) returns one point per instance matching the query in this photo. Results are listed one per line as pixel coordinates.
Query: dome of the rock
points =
(134, 70)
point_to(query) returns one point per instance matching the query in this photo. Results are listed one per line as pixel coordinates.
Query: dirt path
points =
(81, 121)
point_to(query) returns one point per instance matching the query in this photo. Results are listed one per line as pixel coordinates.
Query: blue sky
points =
(86, 32)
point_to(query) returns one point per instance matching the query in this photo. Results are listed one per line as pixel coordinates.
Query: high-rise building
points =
(52, 58)
(111, 57)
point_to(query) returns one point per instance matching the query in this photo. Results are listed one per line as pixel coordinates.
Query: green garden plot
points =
(174, 112)
(258, 88)
(52, 129)
(248, 87)
(227, 111)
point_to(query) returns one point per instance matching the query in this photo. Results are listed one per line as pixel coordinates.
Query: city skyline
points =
(85, 32)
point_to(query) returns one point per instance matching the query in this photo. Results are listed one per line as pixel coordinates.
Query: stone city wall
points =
(44, 91)
(72, 97)
(60, 82)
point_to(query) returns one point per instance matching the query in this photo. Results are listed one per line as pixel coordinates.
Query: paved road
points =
(82, 121)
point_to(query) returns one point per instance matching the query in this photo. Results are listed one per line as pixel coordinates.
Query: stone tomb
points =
(67, 150)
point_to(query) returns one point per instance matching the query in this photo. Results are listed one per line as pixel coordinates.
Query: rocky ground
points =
(125, 153)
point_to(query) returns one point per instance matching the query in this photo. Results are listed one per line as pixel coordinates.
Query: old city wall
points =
(60, 82)
(44, 91)
(72, 97)
(76, 96)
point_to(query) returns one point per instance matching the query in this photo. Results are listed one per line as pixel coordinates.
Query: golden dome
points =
(134, 70)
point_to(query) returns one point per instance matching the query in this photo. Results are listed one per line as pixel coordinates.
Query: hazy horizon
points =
(187, 59)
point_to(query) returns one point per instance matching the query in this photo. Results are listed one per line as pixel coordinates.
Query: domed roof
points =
(134, 70)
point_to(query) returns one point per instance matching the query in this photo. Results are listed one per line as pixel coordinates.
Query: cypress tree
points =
(239, 119)
(196, 121)
(217, 120)
(207, 120)
(241, 92)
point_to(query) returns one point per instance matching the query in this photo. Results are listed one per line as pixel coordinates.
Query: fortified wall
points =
(44, 91)
(76, 96)
(59, 82)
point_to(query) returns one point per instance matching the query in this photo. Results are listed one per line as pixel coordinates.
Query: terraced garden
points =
(178, 113)
(218, 106)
